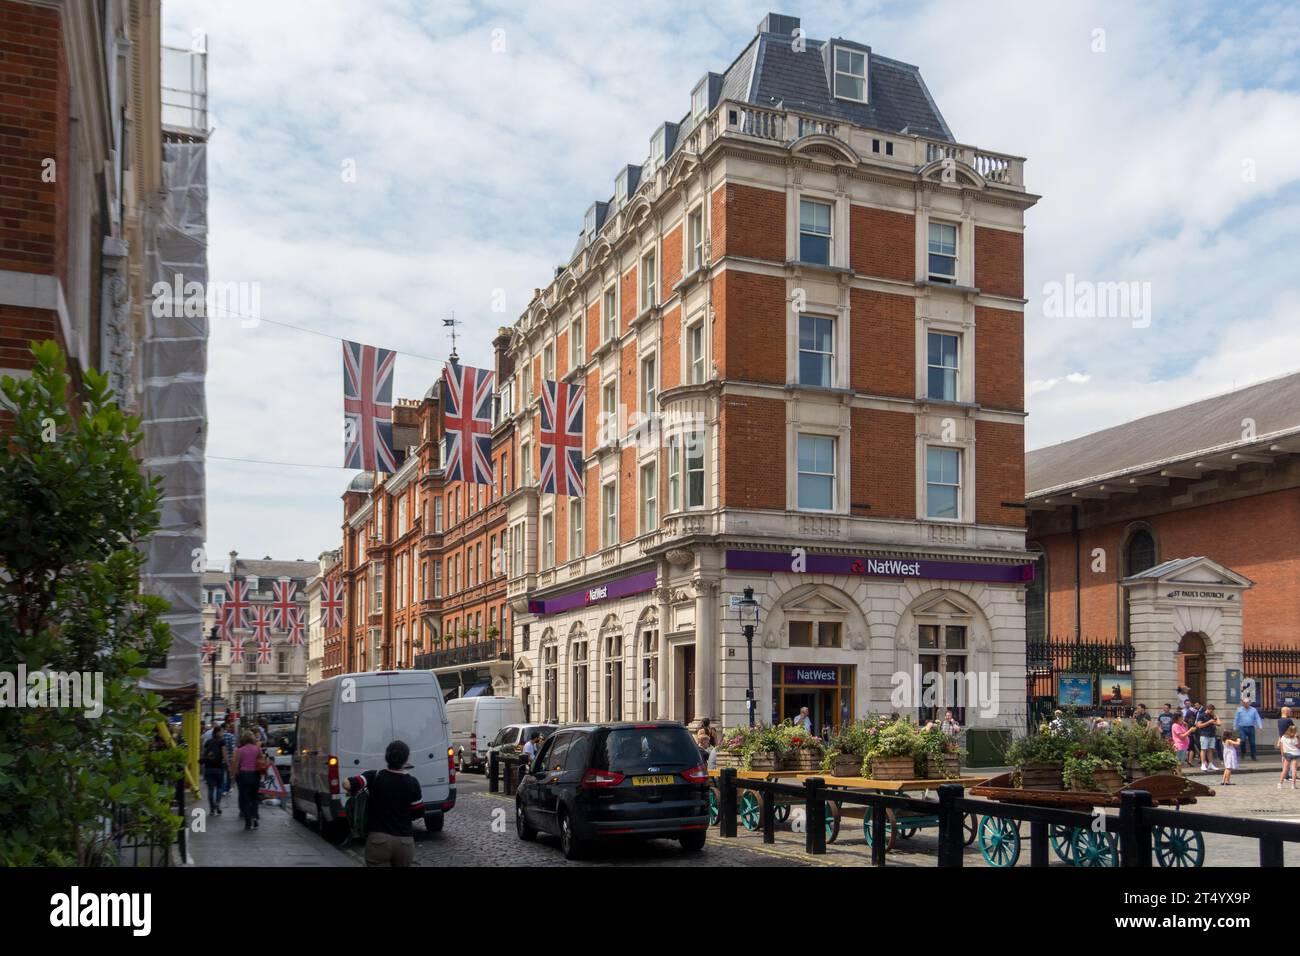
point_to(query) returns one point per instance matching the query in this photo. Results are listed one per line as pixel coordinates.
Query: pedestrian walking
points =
(1207, 732)
(394, 796)
(1166, 721)
(263, 731)
(1183, 698)
(1181, 736)
(1190, 713)
(950, 727)
(214, 764)
(1244, 722)
(228, 735)
(1231, 746)
(1289, 744)
(245, 767)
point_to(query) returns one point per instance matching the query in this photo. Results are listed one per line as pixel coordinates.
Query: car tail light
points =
(698, 774)
(451, 765)
(473, 743)
(596, 779)
(334, 776)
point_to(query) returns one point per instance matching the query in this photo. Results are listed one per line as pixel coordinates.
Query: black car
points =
(593, 782)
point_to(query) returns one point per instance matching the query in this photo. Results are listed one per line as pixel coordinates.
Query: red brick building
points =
(1177, 534)
(799, 322)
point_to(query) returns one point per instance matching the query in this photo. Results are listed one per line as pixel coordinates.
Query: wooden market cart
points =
(1000, 840)
(904, 823)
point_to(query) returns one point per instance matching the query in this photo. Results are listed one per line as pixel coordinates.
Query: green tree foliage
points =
(74, 503)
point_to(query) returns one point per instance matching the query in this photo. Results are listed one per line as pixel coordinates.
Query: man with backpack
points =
(214, 768)
(381, 806)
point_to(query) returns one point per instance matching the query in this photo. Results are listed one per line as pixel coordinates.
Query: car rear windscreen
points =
(633, 750)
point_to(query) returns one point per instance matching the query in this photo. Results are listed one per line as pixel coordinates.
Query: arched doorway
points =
(1191, 665)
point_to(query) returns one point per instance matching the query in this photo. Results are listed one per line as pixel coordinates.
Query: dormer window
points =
(850, 74)
(657, 148)
(700, 100)
(620, 189)
(589, 225)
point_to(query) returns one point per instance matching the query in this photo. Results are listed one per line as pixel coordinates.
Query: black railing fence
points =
(1045, 659)
(1132, 825)
(1269, 665)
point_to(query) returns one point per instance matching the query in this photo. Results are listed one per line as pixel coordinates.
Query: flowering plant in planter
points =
(849, 746)
(937, 754)
(764, 747)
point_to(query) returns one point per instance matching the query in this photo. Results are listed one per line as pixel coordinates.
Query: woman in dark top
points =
(395, 796)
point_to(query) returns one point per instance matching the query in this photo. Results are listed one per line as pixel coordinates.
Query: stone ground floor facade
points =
(843, 634)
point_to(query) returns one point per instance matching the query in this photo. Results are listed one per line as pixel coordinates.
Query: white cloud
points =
(474, 168)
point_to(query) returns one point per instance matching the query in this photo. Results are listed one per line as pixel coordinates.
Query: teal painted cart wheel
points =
(751, 810)
(1062, 840)
(713, 806)
(1177, 846)
(1089, 848)
(999, 841)
(891, 828)
(832, 821)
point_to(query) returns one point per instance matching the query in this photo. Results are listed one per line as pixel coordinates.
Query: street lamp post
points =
(212, 659)
(747, 608)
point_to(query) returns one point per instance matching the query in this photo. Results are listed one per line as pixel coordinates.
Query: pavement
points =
(480, 831)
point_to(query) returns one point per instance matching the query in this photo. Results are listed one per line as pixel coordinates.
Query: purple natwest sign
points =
(881, 567)
(622, 587)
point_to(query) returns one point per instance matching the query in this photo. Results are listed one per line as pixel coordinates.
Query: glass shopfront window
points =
(825, 689)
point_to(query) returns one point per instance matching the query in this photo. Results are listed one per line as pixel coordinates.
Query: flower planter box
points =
(728, 758)
(1042, 776)
(942, 768)
(765, 761)
(802, 760)
(893, 768)
(1103, 781)
(846, 765)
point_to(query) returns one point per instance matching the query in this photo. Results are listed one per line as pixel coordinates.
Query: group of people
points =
(232, 756)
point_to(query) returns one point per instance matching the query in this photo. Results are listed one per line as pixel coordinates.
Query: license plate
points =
(657, 780)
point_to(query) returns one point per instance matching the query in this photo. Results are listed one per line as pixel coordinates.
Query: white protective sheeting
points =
(174, 410)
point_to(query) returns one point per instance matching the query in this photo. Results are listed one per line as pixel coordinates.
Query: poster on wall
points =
(1073, 690)
(1116, 690)
(1287, 692)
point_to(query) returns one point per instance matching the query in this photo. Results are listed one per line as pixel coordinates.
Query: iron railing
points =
(1270, 664)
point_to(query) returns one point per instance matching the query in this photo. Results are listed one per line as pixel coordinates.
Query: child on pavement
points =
(1231, 751)
(1289, 744)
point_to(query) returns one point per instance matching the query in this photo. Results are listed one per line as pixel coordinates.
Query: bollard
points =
(814, 815)
(878, 836)
(727, 802)
(512, 782)
(1037, 844)
(951, 842)
(493, 766)
(1134, 839)
(769, 820)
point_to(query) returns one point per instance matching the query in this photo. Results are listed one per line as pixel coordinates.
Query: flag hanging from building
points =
(467, 424)
(262, 623)
(283, 604)
(295, 627)
(208, 648)
(236, 606)
(368, 407)
(224, 629)
(263, 652)
(562, 469)
(331, 604)
(237, 652)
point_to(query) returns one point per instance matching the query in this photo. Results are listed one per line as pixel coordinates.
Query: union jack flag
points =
(236, 606)
(467, 423)
(561, 443)
(208, 647)
(262, 623)
(295, 627)
(331, 604)
(263, 652)
(282, 605)
(224, 630)
(368, 407)
(237, 652)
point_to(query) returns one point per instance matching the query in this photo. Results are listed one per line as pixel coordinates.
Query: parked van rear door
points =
(365, 724)
(419, 720)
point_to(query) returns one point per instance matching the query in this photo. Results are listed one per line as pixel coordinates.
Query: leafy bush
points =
(73, 505)
(796, 738)
(1160, 761)
(1042, 747)
(1080, 767)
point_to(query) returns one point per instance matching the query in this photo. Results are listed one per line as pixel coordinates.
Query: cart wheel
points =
(713, 806)
(1089, 848)
(832, 821)
(782, 812)
(999, 841)
(891, 828)
(1176, 846)
(751, 810)
(1062, 840)
(970, 826)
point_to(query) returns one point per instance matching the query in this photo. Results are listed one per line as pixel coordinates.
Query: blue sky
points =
(1164, 139)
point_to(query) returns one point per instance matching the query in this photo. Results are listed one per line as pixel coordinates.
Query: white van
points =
(344, 725)
(475, 721)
